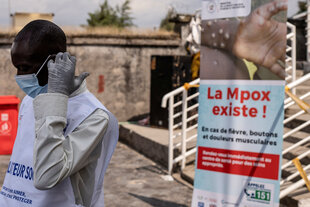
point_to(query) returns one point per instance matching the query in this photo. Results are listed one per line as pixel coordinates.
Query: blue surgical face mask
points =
(29, 83)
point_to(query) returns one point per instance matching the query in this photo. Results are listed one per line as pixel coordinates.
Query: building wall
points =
(119, 70)
(19, 20)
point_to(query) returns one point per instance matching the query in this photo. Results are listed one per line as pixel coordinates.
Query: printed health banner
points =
(240, 125)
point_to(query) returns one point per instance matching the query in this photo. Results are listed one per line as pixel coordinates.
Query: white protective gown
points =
(61, 152)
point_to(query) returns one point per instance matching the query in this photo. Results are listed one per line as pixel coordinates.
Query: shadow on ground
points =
(152, 168)
(157, 202)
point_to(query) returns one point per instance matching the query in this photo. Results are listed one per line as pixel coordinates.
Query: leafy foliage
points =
(165, 24)
(302, 6)
(109, 16)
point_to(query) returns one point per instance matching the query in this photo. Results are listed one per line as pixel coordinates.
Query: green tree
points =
(165, 24)
(108, 16)
(125, 20)
(302, 6)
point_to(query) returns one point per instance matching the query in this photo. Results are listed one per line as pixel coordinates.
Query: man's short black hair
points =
(43, 32)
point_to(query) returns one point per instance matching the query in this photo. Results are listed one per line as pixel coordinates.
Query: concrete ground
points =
(4, 161)
(133, 180)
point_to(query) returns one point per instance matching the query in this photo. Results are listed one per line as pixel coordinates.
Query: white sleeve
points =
(56, 157)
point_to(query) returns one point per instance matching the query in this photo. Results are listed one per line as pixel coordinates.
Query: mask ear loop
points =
(42, 66)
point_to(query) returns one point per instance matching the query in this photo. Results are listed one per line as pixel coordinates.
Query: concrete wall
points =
(119, 68)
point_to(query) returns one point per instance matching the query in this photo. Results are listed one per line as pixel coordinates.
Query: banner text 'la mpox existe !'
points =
(240, 125)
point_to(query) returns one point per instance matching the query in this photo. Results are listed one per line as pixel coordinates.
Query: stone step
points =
(298, 198)
(298, 135)
(153, 142)
(294, 138)
(296, 109)
(292, 109)
(295, 152)
(297, 123)
(300, 90)
(188, 173)
(303, 89)
(291, 170)
(289, 141)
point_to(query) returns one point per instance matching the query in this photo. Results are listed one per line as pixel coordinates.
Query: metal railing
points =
(291, 54)
(287, 186)
(183, 123)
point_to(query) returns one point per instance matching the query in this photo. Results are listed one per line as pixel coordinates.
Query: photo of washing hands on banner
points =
(251, 47)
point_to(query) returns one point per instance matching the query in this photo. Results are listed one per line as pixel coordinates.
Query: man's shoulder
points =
(84, 103)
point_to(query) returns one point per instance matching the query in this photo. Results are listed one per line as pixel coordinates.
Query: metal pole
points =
(184, 127)
(294, 57)
(170, 151)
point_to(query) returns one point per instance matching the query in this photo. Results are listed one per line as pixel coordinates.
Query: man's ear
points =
(13, 44)
(12, 48)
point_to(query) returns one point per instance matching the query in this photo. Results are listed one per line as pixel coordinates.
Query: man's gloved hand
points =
(61, 77)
